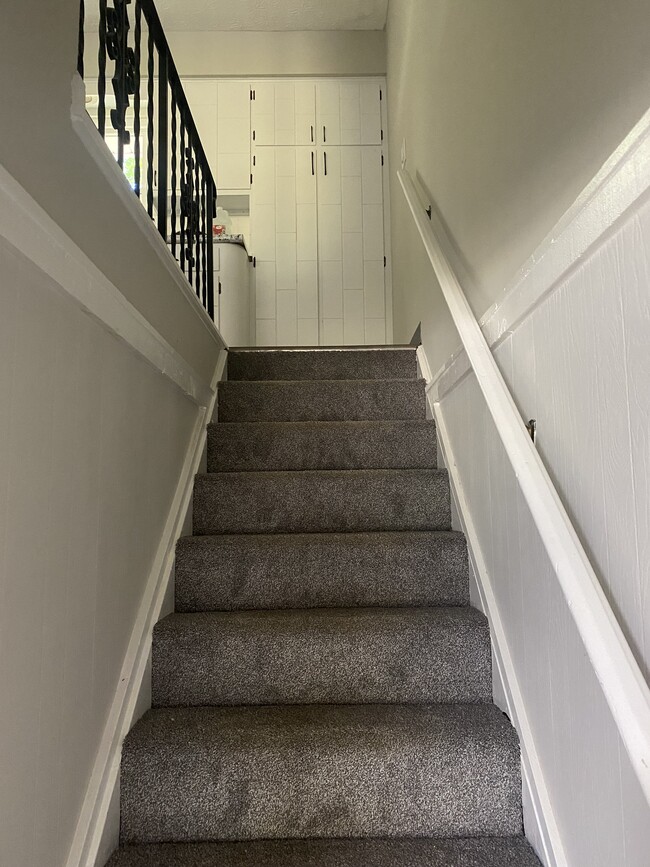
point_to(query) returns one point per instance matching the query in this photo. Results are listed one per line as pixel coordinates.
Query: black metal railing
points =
(147, 123)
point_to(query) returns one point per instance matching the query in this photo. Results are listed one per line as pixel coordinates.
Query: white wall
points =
(508, 110)
(95, 430)
(573, 343)
(39, 147)
(292, 53)
(92, 441)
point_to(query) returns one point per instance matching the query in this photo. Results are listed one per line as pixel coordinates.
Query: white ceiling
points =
(267, 15)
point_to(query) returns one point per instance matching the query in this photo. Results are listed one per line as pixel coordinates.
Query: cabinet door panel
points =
(352, 260)
(263, 113)
(234, 136)
(234, 100)
(285, 205)
(370, 112)
(233, 172)
(353, 320)
(372, 176)
(329, 176)
(373, 232)
(263, 232)
(287, 322)
(373, 279)
(305, 113)
(330, 240)
(265, 290)
(307, 232)
(331, 275)
(286, 263)
(307, 290)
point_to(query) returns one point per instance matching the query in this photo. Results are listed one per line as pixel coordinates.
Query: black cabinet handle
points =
(311, 128)
(313, 171)
(325, 162)
(324, 135)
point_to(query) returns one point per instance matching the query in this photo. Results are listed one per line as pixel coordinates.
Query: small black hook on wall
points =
(429, 211)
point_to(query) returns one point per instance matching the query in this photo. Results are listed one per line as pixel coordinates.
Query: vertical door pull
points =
(313, 170)
(325, 162)
(324, 135)
(311, 129)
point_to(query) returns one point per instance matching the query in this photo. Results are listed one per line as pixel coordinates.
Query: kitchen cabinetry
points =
(221, 111)
(232, 293)
(317, 232)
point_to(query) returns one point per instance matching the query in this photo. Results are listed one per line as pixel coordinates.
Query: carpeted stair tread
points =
(223, 573)
(192, 774)
(336, 656)
(321, 445)
(322, 400)
(339, 363)
(472, 852)
(321, 501)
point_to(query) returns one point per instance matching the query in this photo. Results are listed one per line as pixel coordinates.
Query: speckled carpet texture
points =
(322, 695)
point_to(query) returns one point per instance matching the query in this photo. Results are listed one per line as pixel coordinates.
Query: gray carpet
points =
(276, 657)
(323, 400)
(324, 445)
(357, 363)
(192, 774)
(322, 693)
(321, 501)
(490, 852)
(330, 570)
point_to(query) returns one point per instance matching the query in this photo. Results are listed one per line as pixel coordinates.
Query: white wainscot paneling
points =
(579, 364)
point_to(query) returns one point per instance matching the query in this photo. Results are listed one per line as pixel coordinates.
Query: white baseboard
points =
(541, 825)
(98, 824)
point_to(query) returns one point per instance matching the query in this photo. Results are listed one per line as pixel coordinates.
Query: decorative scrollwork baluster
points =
(124, 77)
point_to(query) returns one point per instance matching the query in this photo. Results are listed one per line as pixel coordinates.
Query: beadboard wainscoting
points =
(572, 340)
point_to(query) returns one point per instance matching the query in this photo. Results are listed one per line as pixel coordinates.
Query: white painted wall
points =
(106, 375)
(572, 339)
(92, 440)
(508, 110)
(291, 53)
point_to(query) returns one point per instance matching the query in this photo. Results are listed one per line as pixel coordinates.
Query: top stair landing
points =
(335, 362)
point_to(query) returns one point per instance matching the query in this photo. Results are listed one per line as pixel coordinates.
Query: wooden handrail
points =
(616, 669)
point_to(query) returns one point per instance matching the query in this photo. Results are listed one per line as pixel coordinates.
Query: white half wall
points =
(100, 433)
(572, 339)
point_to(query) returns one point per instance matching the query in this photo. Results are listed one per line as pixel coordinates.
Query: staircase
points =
(322, 695)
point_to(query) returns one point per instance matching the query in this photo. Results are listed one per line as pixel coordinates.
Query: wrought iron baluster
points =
(197, 228)
(191, 216)
(173, 178)
(211, 199)
(136, 98)
(150, 74)
(182, 241)
(204, 231)
(163, 120)
(101, 79)
(81, 43)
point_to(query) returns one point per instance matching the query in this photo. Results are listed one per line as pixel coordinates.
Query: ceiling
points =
(267, 15)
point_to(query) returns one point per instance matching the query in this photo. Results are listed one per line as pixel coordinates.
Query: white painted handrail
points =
(616, 669)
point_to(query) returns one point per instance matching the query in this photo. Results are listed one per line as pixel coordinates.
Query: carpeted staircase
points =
(322, 695)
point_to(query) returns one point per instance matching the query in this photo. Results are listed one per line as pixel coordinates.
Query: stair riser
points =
(278, 658)
(311, 571)
(494, 852)
(365, 501)
(303, 364)
(321, 446)
(322, 401)
(300, 778)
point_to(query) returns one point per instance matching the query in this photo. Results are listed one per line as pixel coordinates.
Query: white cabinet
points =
(349, 112)
(232, 293)
(317, 233)
(283, 113)
(221, 111)
(284, 242)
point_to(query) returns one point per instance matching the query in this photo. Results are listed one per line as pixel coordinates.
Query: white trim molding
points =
(89, 135)
(33, 234)
(617, 671)
(86, 848)
(622, 183)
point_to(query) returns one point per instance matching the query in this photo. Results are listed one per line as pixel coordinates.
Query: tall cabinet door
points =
(351, 245)
(283, 237)
(283, 113)
(233, 136)
(349, 112)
